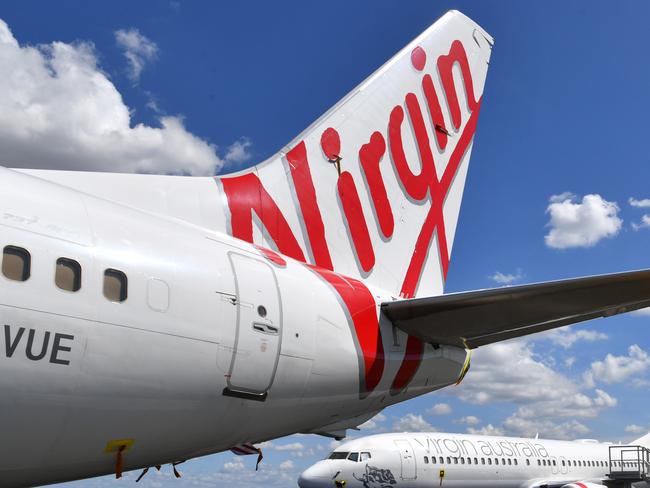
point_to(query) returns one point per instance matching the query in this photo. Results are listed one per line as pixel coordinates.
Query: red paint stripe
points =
(362, 310)
(416, 186)
(580, 485)
(272, 256)
(445, 64)
(246, 195)
(435, 111)
(370, 156)
(311, 216)
(356, 221)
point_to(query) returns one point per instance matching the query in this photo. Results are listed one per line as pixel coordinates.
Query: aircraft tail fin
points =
(642, 441)
(373, 188)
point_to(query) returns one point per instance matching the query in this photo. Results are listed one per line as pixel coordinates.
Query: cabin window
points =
(554, 462)
(475, 460)
(539, 463)
(426, 460)
(115, 285)
(448, 460)
(433, 460)
(482, 460)
(527, 462)
(441, 459)
(365, 456)
(68, 274)
(515, 461)
(354, 456)
(462, 460)
(16, 263)
(563, 464)
(489, 460)
(338, 455)
(469, 460)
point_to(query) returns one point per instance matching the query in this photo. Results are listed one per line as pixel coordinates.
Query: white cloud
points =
(59, 110)
(645, 222)
(236, 464)
(643, 203)
(286, 465)
(239, 152)
(469, 420)
(138, 50)
(488, 429)
(634, 429)
(373, 423)
(440, 409)
(614, 369)
(412, 423)
(506, 278)
(547, 401)
(581, 224)
(568, 336)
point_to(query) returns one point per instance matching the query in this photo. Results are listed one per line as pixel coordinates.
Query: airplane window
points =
(68, 274)
(527, 462)
(462, 460)
(516, 463)
(433, 460)
(475, 460)
(489, 460)
(448, 460)
(509, 462)
(539, 463)
(338, 455)
(16, 263)
(496, 460)
(426, 460)
(469, 460)
(115, 284)
(554, 462)
(354, 456)
(455, 460)
(365, 456)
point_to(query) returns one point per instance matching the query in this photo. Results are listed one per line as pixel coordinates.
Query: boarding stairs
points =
(628, 465)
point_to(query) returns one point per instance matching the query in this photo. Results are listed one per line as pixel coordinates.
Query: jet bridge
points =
(628, 464)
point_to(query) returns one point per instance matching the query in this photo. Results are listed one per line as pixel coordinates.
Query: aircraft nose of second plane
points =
(316, 476)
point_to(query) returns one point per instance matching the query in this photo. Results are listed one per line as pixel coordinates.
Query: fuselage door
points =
(407, 458)
(259, 327)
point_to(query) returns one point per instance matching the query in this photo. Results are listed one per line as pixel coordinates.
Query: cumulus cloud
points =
(546, 401)
(634, 429)
(506, 278)
(412, 423)
(286, 465)
(643, 203)
(373, 423)
(468, 420)
(138, 50)
(645, 222)
(488, 429)
(59, 110)
(440, 409)
(581, 224)
(614, 369)
(568, 336)
(238, 152)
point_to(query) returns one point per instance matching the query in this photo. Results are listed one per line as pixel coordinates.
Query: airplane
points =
(152, 319)
(414, 460)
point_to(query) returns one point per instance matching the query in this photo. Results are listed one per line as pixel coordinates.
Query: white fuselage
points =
(414, 460)
(80, 373)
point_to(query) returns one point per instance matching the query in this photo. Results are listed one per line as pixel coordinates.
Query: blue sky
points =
(565, 110)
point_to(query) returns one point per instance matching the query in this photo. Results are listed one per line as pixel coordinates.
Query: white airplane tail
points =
(373, 188)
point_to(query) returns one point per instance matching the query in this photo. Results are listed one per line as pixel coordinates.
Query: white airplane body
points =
(419, 460)
(152, 319)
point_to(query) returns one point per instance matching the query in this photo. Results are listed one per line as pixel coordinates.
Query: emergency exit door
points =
(407, 458)
(259, 328)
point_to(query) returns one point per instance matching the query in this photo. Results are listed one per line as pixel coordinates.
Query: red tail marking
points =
(438, 187)
(356, 221)
(370, 156)
(580, 485)
(435, 111)
(418, 58)
(363, 311)
(304, 186)
(331, 143)
(272, 256)
(445, 64)
(245, 195)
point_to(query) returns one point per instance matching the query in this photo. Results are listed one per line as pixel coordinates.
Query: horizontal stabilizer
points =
(476, 318)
